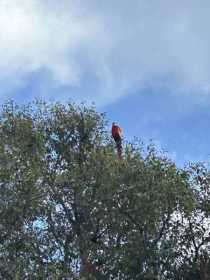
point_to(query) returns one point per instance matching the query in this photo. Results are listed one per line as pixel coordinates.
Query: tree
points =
(193, 238)
(70, 209)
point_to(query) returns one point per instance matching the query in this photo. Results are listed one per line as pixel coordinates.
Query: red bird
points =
(117, 135)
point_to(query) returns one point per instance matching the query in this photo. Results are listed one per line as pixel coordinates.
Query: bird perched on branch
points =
(117, 135)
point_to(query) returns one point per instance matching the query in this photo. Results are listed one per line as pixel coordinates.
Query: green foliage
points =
(70, 209)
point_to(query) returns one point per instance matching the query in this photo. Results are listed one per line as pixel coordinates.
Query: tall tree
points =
(70, 209)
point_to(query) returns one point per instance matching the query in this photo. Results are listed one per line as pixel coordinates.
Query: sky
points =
(146, 63)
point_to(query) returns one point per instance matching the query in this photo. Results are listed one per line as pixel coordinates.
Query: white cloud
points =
(122, 44)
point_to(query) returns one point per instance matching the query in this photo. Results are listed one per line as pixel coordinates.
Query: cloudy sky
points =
(144, 62)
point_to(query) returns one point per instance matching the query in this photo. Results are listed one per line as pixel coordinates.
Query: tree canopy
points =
(71, 209)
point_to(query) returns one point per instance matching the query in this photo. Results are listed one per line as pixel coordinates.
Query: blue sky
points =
(144, 62)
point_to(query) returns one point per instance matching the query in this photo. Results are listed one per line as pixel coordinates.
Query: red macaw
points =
(117, 135)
